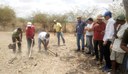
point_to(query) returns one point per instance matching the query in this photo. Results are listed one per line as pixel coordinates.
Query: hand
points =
(96, 25)
(111, 46)
(105, 42)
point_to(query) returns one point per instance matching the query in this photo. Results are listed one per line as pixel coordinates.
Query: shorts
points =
(117, 56)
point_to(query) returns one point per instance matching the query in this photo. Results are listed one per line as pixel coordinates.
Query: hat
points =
(121, 17)
(108, 13)
(54, 20)
(29, 24)
(79, 17)
(100, 17)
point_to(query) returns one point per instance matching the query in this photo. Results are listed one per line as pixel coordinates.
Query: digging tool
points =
(30, 51)
(53, 53)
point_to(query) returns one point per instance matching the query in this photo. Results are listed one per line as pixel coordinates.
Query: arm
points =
(125, 41)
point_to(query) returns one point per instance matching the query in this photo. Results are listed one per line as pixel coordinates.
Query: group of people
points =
(43, 36)
(103, 40)
(106, 39)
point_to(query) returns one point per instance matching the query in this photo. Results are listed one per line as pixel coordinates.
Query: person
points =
(58, 29)
(30, 33)
(89, 35)
(124, 46)
(80, 33)
(117, 53)
(98, 28)
(17, 38)
(43, 38)
(108, 37)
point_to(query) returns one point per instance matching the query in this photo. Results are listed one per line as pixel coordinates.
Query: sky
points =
(24, 8)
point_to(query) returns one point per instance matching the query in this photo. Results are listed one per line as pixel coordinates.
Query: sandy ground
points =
(67, 62)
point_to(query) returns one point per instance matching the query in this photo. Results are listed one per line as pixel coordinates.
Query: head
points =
(79, 19)
(100, 18)
(55, 21)
(120, 19)
(19, 29)
(107, 15)
(47, 35)
(90, 20)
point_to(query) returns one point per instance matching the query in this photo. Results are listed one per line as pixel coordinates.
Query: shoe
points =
(82, 49)
(77, 50)
(88, 53)
(106, 69)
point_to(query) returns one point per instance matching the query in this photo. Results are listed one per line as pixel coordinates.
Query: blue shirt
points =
(80, 27)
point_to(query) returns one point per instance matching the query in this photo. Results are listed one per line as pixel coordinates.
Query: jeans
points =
(98, 44)
(89, 44)
(80, 37)
(106, 52)
(29, 42)
(60, 34)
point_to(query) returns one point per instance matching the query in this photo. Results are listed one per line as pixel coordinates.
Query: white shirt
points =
(87, 32)
(109, 30)
(42, 36)
(116, 44)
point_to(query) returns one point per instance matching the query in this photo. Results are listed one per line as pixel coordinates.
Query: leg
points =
(29, 43)
(58, 37)
(39, 44)
(78, 42)
(61, 34)
(14, 43)
(107, 54)
(88, 44)
(113, 59)
(101, 50)
(82, 39)
(19, 44)
(96, 49)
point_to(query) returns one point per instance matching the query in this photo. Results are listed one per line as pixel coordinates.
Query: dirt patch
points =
(67, 62)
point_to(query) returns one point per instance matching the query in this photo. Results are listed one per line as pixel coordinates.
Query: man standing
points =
(108, 37)
(17, 36)
(30, 32)
(43, 38)
(89, 35)
(99, 28)
(80, 33)
(58, 29)
(117, 53)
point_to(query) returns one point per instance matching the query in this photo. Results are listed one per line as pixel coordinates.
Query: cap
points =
(121, 17)
(29, 24)
(108, 13)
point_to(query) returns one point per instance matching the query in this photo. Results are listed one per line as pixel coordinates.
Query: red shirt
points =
(99, 31)
(30, 31)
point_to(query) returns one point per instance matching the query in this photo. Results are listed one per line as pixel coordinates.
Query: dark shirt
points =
(125, 37)
(80, 27)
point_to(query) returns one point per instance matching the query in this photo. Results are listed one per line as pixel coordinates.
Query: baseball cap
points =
(121, 17)
(108, 13)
